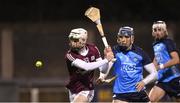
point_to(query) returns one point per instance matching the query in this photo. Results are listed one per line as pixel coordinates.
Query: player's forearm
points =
(153, 73)
(88, 66)
(173, 61)
(108, 68)
(169, 63)
(103, 68)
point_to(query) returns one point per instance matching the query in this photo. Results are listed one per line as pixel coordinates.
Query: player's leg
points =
(156, 94)
(76, 97)
(80, 99)
(84, 96)
(174, 89)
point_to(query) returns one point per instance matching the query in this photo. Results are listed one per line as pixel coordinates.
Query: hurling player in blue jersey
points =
(129, 85)
(167, 61)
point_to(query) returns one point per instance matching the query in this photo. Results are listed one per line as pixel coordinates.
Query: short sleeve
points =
(171, 46)
(146, 58)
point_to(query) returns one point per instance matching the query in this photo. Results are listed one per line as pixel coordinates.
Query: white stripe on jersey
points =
(70, 57)
(98, 51)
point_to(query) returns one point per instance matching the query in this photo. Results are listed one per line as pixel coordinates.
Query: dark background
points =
(65, 10)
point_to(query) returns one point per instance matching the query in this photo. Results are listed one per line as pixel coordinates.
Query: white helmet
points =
(78, 33)
(160, 24)
(78, 38)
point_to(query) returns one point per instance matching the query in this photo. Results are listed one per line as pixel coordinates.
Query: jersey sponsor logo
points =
(126, 67)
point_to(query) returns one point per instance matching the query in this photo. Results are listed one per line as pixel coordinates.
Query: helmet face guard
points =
(77, 38)
(159, 24)
(126, 33)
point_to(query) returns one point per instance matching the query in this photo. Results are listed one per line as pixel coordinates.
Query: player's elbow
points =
(177, 61)
(153, 76)
(87, 68)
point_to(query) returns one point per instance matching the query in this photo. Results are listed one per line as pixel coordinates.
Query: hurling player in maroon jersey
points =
(82, 60)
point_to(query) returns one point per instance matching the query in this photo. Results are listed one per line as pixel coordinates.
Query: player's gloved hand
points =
(107, 49)
(140, 85)
(108, 54)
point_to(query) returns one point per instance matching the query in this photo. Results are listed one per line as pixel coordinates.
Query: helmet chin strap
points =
(129, 47)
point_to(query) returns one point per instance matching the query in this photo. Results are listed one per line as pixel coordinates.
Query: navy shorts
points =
(172, 88)
(132, 97)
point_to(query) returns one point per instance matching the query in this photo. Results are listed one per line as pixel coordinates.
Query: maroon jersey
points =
(81, 79)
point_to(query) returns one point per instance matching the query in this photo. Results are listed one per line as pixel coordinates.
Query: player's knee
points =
(152, 98)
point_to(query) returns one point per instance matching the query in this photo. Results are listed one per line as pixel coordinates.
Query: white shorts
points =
(89, 94)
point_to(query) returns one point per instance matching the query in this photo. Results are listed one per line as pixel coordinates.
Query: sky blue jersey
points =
(162, 49)
(128, 68)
